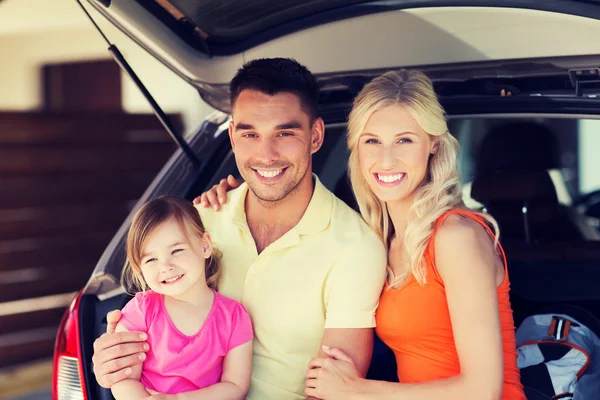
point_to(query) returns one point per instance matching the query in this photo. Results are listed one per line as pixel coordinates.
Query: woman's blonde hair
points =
(441, 189)
(149, 217)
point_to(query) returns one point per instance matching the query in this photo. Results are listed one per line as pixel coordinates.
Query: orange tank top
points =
(421, 337)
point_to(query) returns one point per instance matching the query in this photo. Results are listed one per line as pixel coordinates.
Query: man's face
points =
(273, 141)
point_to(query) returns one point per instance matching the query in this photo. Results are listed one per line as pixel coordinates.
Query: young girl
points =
(200, 341)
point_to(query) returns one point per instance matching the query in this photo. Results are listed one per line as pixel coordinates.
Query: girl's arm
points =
(470, 268)
(129, 388)
(235, 380)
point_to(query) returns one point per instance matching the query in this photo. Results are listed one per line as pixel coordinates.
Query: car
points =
(520, 82)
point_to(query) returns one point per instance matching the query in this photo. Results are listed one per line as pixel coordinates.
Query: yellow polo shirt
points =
(326, 272)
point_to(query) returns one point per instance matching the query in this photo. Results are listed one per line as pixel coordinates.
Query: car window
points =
(540, 172)
(575, 168)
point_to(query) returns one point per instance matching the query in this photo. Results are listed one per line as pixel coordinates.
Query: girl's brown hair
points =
(149, 217)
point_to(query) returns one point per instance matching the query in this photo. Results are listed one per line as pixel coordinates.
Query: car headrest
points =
(518, 146)
(535, 186)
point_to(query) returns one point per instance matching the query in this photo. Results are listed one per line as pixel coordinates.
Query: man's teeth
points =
(390, 178)
(173, 279)
(269, 174)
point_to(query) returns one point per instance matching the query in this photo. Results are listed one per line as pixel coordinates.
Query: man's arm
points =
(115, 353)
(356, 343)
(129, 388)
(352, 296)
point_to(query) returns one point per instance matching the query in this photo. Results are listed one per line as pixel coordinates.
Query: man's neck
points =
(269, 220)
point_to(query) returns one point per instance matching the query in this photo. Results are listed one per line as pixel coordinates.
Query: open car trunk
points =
(346, 42)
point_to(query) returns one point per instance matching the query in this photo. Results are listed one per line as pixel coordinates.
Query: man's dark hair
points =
(276, 75)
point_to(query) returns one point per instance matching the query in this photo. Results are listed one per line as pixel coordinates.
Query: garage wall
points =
(24, 49)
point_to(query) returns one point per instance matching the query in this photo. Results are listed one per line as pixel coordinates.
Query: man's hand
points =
(116, 352)
(217, 195)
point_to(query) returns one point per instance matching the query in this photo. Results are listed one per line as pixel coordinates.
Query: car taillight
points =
(67, 375)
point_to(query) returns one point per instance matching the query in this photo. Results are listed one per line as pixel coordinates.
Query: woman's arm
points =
(235, 380)
(471, 271)
(129, 388)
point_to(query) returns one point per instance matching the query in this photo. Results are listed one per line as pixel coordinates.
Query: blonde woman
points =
(445, 309)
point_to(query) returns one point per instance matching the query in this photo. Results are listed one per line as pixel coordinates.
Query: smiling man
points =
(306, 266)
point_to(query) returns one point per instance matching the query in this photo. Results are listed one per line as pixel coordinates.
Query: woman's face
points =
(393, 153)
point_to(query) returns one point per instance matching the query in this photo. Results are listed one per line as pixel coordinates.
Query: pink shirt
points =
(179, 363)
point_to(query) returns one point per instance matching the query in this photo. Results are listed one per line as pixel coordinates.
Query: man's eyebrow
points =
(285, 125)
(242, 126)
(289, 125)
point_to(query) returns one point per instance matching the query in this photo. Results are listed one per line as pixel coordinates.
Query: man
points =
(306, 267)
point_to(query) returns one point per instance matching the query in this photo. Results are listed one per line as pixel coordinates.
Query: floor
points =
(31, 381)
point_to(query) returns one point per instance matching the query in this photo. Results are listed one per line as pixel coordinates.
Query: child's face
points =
(173, 266)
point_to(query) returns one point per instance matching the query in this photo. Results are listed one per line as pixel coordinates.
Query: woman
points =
(444, 310)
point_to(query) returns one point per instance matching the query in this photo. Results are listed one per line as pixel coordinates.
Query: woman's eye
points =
(176, 251)
(372, 141)
(149, 260)
(404, 140)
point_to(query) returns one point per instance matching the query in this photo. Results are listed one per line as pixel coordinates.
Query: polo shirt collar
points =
(316, 217)
(318, 213)
(238, 206)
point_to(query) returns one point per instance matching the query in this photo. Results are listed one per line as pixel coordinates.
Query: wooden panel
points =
(18, 223)
(28, 351)
(88, 85)
(43, 281)
(72, 188)
(82, 128)
(83, 249)
(31, 320)
(67, 182)
(28, 336)
(21, 159)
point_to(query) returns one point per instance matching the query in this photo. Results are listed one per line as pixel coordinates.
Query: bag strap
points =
(559, 328)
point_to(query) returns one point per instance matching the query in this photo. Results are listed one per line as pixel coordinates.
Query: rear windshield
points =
(539, 177)
(568, 149)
